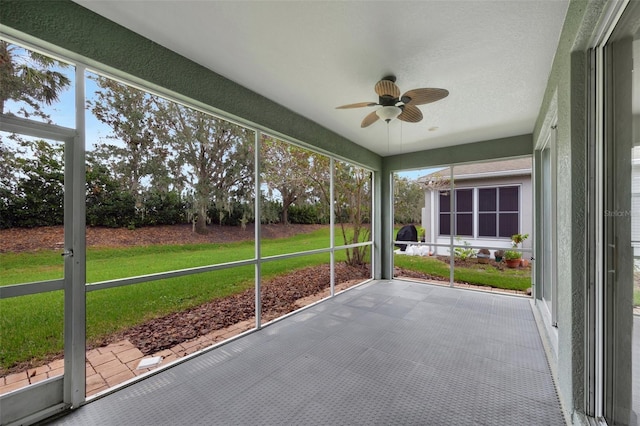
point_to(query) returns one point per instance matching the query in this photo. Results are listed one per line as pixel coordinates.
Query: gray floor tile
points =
(380, 354)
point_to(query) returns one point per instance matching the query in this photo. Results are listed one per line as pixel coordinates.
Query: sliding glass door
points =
(547, 231)
(620, 224)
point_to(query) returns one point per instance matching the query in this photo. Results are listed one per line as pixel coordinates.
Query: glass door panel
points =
(621, 160)
(547, 225)
(635, 237)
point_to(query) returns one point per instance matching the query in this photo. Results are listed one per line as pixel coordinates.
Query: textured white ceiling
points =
(494, 57)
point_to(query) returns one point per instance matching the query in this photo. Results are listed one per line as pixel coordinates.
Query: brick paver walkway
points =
(111, 365)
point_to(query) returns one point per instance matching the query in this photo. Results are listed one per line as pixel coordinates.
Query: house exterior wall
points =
(489, 150)
(566, 98)
(431, 215)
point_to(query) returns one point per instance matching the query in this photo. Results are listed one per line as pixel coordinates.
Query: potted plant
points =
(498, 254)
(513, 257)
(483, 255)
(518, 239)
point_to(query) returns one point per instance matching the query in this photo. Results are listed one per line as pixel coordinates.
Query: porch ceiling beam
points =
(495, 149)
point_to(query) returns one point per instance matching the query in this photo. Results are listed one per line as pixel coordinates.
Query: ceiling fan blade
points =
(358, 105)
(424, 96)
(410, 114)
(387, 87)
(370, 119)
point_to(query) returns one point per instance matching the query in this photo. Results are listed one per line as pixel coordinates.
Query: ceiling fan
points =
(396, 106)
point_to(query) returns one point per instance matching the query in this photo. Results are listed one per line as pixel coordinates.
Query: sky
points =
(63, 114)
(415, 174)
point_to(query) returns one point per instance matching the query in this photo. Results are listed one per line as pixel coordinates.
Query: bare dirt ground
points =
(278, 295)
(52, 237)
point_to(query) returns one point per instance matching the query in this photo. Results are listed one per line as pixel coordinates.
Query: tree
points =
(353, 208)
(131, 115)
(215, 155)
(8, 184)
(108, 204)
(30, 78)
(408, 200)
(38, 191)
(320, 177)
(285, 168)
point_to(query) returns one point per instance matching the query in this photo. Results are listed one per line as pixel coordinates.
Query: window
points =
(445, 209)
(463, 208)
(498, 212)
(464, 212)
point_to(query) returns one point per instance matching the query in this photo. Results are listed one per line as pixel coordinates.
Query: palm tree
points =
(29, 77)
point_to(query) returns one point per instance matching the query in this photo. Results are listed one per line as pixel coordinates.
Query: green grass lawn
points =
(36, 321)
(487, 275)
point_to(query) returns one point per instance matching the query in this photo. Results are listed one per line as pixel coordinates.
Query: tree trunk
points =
(201, 223)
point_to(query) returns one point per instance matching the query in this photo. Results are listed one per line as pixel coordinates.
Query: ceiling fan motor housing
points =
(387, 100)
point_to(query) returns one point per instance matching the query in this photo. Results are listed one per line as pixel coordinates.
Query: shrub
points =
(270, 211)
(306, 214)
(115, 210)
(234, 215)
(464, 253)
(162, 208)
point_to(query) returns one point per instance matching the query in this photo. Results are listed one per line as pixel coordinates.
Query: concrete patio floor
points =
(387, 352)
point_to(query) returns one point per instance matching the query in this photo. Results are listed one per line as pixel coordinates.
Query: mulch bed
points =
(470, 263)
(278, 298)
(406, 273)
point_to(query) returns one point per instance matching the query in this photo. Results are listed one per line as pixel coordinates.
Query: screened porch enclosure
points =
(552, 83)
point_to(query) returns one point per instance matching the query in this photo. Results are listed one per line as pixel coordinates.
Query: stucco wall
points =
(568, 82)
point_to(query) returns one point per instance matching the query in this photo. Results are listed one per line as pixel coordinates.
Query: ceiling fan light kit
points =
(395, 106)
(388, 113)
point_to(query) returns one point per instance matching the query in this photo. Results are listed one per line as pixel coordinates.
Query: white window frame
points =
(476, 213)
